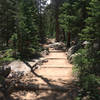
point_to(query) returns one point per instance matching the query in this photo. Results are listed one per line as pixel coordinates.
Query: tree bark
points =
(57, 29)
(68, 39)
(64, 37)
(57, 24)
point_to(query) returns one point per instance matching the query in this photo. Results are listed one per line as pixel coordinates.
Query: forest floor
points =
(54, 79)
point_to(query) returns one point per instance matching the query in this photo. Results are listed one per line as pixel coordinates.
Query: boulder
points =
(72, 57)
(85, 43)
(73, 50)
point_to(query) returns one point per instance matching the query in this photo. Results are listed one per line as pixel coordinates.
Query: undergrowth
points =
(89, 82)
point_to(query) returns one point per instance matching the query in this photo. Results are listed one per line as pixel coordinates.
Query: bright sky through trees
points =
(48, 1)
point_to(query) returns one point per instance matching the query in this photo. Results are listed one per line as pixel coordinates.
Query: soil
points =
(54, 79)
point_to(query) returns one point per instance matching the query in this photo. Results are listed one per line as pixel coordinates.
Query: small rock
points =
(86, 98)
(45, 52)
(5, 71)
(96, 46)
(40, 62)
(72, 57)
(16, 75)
(85, 43)
(44, 60)
(57, 45)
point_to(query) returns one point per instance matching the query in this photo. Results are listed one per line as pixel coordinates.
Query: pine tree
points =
(27, 27)
(7, 20)
(69, 21)
(92, 33)
(49, 21)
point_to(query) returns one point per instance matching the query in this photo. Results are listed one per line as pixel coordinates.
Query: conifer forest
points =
(49, 49)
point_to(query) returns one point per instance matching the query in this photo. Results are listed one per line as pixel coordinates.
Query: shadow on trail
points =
(68, 91)
(40, 76)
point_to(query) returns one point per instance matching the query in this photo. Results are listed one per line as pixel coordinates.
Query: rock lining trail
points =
(53, 80)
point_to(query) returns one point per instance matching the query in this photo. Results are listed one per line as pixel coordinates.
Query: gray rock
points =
(16, 75)
(41, 61)
(73, 50)
(45, 52)
(86, 98)
(85, 43)
(72, 57)
(71, 54)
(18, 65)
(96, 46)
(70, 51)
(57, 45)
(44, 60)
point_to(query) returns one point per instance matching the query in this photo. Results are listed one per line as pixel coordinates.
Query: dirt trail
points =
(57, 68)
(54, 80)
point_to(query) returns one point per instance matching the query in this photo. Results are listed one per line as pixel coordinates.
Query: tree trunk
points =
(57, 26)
(64, 37)
(68, 39)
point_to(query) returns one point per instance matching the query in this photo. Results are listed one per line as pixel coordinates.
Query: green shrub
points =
(88, 81)
(7, 56)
